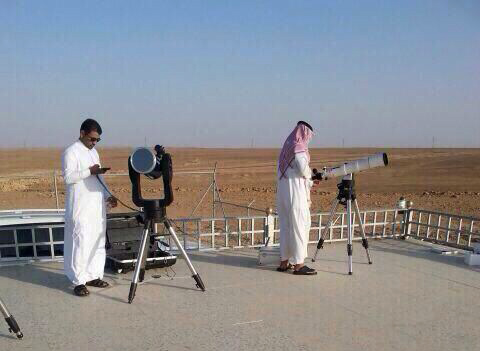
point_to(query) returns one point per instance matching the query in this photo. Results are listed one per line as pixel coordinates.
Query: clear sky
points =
(236, 73)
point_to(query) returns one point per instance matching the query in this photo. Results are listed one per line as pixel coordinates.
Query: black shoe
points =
(81, 290)
(304, 270)
(98, 283)
(280, 269)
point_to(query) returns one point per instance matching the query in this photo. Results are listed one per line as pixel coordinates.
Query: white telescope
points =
(373, 161)
(347, 197)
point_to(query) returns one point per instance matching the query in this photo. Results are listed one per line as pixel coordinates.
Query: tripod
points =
(347, 197)
(154, 215)
(12, 323)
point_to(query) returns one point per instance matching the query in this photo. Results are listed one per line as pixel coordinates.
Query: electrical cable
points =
(116, 198)
(135, 209)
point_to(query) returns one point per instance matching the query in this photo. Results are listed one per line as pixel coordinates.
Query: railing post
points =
(470, 231)
(407, 218)
(395, 213)
(248, 207)
(214, 182)
(269, 234)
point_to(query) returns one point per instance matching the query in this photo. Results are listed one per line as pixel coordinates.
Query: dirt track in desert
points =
(446, 180)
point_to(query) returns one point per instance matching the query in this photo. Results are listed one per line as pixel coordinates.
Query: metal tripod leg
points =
(350, 237)
(139, 273)
(362, 230)
(327, 227)
(195, 275)
(12, 323)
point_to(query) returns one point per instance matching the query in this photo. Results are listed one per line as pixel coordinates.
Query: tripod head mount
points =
(154, 166)
(346, 189)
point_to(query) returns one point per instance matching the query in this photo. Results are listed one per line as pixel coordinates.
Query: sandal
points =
(280, 269)
(81, 290)
(304, 270)
(98, 283)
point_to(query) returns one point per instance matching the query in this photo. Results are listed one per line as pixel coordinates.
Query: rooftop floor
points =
(409, 299)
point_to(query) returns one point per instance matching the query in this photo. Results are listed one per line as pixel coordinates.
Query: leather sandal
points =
(98, 283)
(81, 290)
(280, 269)
(304, 270)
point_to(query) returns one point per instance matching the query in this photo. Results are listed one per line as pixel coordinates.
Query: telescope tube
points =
(373, 161)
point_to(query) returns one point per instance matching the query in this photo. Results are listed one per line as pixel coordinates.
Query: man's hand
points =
(95, 169)
(112, 202)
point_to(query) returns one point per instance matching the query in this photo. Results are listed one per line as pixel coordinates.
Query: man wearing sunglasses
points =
(85, 210)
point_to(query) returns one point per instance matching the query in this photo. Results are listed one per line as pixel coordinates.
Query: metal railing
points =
(254, 231)
(40, 240)
(442, 228)
(382, 223)
(31, 238)
(221, 233)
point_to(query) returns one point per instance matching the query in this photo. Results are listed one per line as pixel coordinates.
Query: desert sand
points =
(446, 180)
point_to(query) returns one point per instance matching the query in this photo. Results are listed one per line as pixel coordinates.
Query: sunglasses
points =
(94, 139)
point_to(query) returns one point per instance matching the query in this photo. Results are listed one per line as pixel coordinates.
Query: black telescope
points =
(153, 165)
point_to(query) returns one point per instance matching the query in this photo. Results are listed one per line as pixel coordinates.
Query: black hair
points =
(90, 124)
(305, 124)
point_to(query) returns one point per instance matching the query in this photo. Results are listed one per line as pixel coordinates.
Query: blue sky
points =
(237, 73)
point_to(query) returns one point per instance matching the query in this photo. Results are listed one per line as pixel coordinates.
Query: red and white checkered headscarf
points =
(296, 142)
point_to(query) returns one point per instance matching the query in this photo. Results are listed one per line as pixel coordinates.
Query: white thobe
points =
(85, 215)
(293, 206)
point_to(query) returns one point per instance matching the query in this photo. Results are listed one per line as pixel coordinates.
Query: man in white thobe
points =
(294, 182)
(85, 211)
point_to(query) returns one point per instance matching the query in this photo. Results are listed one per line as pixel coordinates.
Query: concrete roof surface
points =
(409, 299)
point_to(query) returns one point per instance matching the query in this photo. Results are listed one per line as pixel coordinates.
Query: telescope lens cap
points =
(143, 160)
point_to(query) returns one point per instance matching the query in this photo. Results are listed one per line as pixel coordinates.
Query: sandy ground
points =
(440, 179)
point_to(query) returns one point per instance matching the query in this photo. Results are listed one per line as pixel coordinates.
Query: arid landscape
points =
(446, 180)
